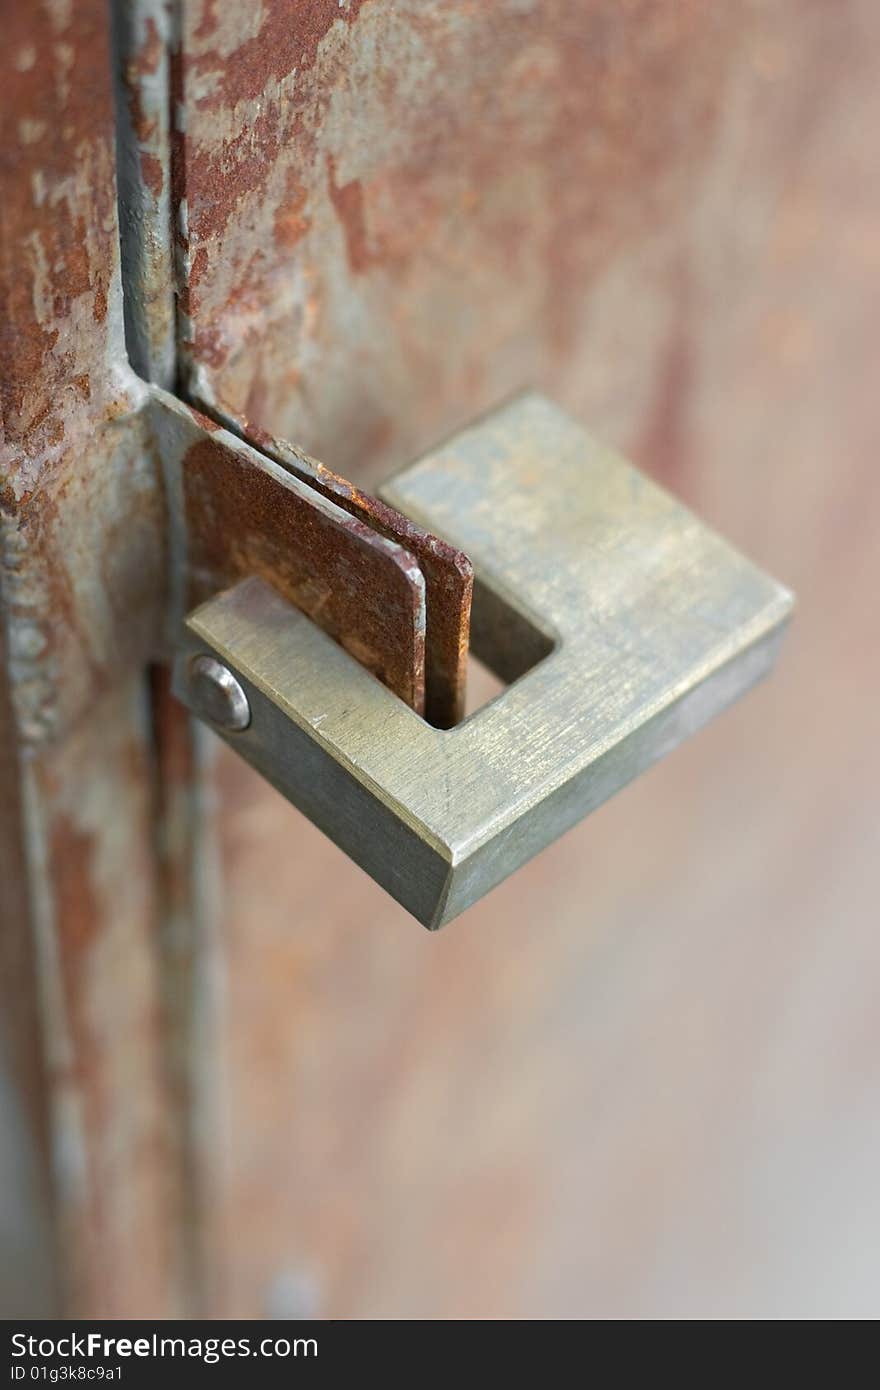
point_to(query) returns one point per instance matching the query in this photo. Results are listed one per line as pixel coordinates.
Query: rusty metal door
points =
(629, 1081)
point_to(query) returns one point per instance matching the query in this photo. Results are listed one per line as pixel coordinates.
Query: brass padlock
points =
(621, 622)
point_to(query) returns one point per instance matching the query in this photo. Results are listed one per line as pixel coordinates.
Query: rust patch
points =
(55, 117)
(143, 63)
(291, 223)
(208, 22)
(348, 201)
(238, 168)
(99, 310)
(367, 594)
(152, 173)
(150, 54)
(77, 905)
(198, 268)
(288, 39)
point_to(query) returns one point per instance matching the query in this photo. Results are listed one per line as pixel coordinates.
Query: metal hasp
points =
(245, 504)
(642, 621)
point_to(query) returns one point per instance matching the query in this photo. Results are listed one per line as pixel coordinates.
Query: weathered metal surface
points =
(655, 625)
(448, 573)
(235, 512)
(639, 1084)
(143, 34)
(21, 1052)
(83, 580)
(82, 515)
(395, 212)
(191, 980)
(723, 329)
(89, 820)
(86, 603)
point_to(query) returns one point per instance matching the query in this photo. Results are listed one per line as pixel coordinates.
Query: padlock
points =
(620, 622)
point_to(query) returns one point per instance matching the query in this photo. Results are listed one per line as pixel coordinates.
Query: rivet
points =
(216, 694)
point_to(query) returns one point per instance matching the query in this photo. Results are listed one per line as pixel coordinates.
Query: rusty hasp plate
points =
(236, 513)
(449, 574)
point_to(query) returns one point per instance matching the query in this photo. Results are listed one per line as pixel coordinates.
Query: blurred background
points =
(642, 1078)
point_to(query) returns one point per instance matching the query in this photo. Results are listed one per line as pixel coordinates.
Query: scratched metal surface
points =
(641, 1078)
